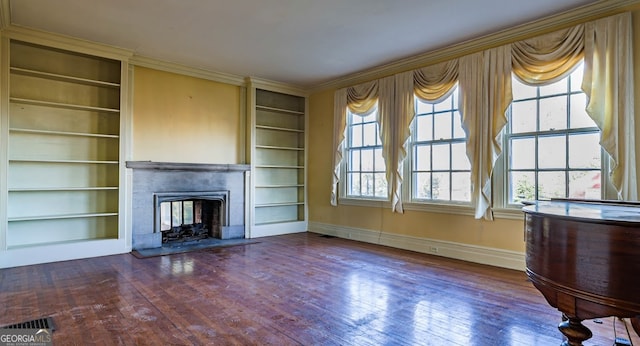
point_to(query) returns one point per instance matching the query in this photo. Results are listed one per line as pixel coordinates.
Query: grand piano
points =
(584, 257)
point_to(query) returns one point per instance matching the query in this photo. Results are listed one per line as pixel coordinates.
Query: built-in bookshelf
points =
(278, 162)
(63, 146)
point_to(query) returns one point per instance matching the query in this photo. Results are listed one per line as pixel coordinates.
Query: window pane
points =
(370, 118)
(442, 126)
(355, 119)
(584, 151)
(523, 153)
(424, 128)
(522, 187)
(367, 160)
(523, 116)
(422, 160)
(459, 159)
(441, 160)
(370, 135)
(367, 184)
(422, 185)
(458, 131)
(585, 185)
(579, 117)
(381, 185)
(445, 105)
(379, 161)
(559, 87)
(553, 113)
(423, 107)
(354, 160)
(551, 185)
(461, 187)
(521, 90)
(353, 182)
(441, 186)
(356, 136)
(552, 152)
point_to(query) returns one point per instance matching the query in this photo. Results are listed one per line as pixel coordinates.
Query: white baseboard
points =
(472, 253)
(62, 252)
(268, 230)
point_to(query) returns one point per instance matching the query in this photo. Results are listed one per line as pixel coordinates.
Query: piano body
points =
(584, 257)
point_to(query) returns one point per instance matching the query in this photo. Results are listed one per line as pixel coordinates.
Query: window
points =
(552, 143)
(365, 166)
(440, 169)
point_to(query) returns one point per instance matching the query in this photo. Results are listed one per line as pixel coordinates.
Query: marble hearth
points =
(155, 181)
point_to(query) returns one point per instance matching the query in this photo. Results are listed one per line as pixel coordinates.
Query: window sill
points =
(361, 202)
(455, 209)
(508, 213)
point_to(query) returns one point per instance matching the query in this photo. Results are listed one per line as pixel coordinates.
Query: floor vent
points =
(41, 323)
(327, 236)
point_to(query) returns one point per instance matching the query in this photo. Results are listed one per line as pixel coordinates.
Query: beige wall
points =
(504, 234)
(178, 118)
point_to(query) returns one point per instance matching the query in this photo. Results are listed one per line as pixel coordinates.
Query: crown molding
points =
(65, 42)
(276, 86)
(166, 66)
(575, 16)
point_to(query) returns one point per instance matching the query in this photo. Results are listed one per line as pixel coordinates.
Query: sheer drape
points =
(606, 46)
(485, 94)
(484, 81)
(608, 83)
(361, 100)
(431, 84)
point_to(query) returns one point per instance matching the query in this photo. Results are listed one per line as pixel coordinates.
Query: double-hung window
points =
(440, 169)
(365, 169)
(552, 144)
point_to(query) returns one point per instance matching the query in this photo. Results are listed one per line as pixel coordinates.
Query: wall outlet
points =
(433, 249)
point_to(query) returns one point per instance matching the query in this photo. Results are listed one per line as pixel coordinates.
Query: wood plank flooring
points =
(300, 289)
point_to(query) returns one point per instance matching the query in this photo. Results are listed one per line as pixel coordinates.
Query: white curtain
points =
(608, 83)
(361, 100)
(606, 47)
(485, 93)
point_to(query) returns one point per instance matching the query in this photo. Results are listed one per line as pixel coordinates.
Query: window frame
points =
(447, 206)
(503, 208)
(344, 197)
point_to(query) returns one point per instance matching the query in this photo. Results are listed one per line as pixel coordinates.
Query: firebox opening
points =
(190, 220)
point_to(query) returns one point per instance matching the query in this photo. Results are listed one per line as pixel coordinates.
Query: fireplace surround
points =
(157, 182)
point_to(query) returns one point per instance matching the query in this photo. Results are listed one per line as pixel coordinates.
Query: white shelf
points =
(279, 166)
(275, 128)
(276, 186)
(58, 217)
(40, 189)
(62, 133)
(279, 110)
(63, 105)
(273, 147)
(65, 161)
(64, 78)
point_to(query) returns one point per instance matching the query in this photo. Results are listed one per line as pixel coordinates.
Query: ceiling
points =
(300, 42)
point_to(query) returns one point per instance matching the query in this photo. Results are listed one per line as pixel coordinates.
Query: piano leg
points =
(574, 330)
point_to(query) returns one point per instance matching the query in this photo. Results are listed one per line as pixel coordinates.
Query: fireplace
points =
(191, 216)
(214, 194)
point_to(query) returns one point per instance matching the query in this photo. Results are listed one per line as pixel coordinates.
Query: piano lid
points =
(588, 210)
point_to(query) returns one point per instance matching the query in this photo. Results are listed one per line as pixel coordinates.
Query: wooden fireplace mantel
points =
(185, 166)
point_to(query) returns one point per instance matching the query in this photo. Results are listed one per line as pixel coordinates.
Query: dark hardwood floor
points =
(300, 289)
